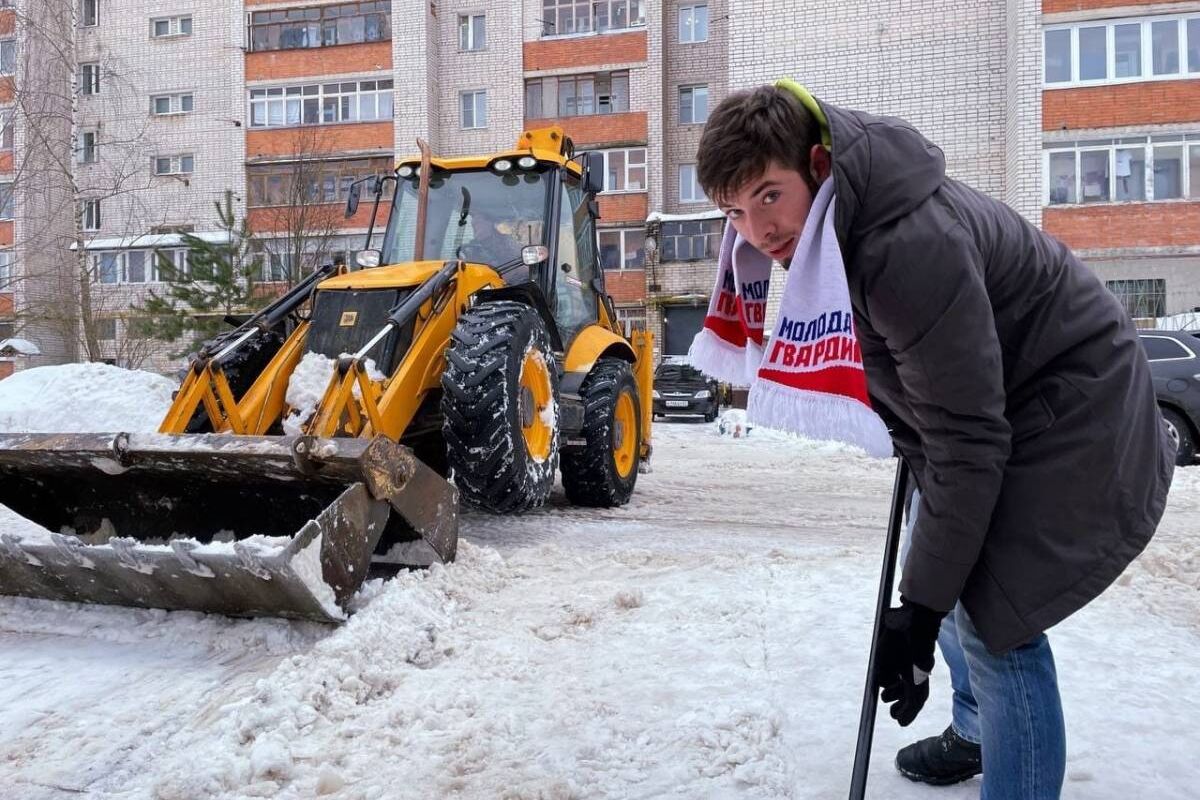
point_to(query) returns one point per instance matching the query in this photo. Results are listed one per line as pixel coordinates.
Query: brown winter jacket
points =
(1013, 383)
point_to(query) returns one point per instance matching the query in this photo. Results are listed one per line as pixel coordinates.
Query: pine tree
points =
(219, 281)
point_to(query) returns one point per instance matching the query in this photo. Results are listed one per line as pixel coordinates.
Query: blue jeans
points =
(1008, 704)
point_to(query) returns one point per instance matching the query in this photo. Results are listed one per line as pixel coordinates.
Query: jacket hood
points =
(882, 166)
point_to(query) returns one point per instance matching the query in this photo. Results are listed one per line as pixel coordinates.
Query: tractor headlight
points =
(502, 165)
(655, 394)
(534, 254)
(406, 171)
(703, 394)
(526, 162)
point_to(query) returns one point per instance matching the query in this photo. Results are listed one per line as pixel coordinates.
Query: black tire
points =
(709, 417)
(242, 369)
(591, 475)
(1181, 432)
(484, 404)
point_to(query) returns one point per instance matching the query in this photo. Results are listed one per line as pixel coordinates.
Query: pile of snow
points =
(19, 347)
(307, 386)
(81, 398)
(734, 423)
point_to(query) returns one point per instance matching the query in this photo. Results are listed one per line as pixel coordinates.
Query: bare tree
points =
(296, 231)
(80, 144)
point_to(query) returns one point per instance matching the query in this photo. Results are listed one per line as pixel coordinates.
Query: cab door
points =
(576, 303)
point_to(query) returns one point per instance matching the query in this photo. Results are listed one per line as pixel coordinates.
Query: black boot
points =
(940, 760)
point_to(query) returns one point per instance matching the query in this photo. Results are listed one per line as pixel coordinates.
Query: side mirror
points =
(367, 258)
(593, 173)
(352, 198)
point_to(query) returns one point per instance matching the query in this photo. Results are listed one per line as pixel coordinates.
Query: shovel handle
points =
(866, 720)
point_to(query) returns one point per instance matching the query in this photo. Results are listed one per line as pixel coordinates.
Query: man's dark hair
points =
(747, 131)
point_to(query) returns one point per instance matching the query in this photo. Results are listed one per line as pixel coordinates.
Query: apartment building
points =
(1121, 146)
(1081, 114)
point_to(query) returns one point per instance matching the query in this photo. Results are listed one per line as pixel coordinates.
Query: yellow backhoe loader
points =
(471, 358)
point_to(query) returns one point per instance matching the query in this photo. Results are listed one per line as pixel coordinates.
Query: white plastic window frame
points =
(1187, 71)
(1187, 142)
(628, 169)
(687, 21)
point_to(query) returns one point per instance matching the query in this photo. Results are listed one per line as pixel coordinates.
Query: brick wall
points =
(357, 137)
(583, 52)
(690, 64)
(344, 59)
(600, 129)
(6, 369)
(623, 207)
(1149, 103)
(327, 216)
(6, 304)
(1169, 224)
(6, 233)
(626, 285)
(496, 69)
(8, 22)
(1060, 6)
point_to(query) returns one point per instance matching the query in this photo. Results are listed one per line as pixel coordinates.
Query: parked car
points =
(682, 390)
(1175, 367)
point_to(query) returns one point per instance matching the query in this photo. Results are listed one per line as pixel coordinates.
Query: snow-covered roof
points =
(19, 347)
(658, 216)
(151, 240)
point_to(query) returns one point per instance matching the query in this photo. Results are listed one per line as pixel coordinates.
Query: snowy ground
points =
(706, 641)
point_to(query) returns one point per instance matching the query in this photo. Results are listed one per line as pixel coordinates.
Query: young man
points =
(1012, 383)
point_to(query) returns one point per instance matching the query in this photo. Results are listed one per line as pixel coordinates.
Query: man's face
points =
(769, 211)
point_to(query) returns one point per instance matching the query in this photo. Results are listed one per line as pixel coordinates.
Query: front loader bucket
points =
(238, 525)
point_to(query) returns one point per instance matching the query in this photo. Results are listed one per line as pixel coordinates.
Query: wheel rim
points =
(1173, 432)
(535, 398)
(625, 434)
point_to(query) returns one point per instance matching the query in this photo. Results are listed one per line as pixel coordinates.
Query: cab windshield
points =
(478, 216)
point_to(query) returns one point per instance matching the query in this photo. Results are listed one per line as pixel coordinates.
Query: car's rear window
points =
(1161, 348)
(675, 372)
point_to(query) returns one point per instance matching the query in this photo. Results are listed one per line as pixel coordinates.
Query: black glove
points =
(905, 658)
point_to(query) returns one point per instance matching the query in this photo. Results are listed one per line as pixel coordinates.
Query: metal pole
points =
(866, 720)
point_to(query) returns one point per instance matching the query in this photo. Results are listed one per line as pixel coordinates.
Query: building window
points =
(321, 104)
(564, 17)
(6, 201)
(5, 271)
(89, 147)
(174, 165)
(89, 13)
(106, 327)
(577, 95)
(1142, 297)
(164, 27)
(326, 26)
(1129, 169)
(162, 105)
(689, 186)
(6, 129)
(1193, 44)
(1151, 48)
(693, 105)
(89, 78)
(326, 182)
(107, 267)
(693, 24)
(631, 318)
(474, 109)
(8, 56)
(472, 32)
(90, 213)
(690, 240)
(623, 249)
(625, 170)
